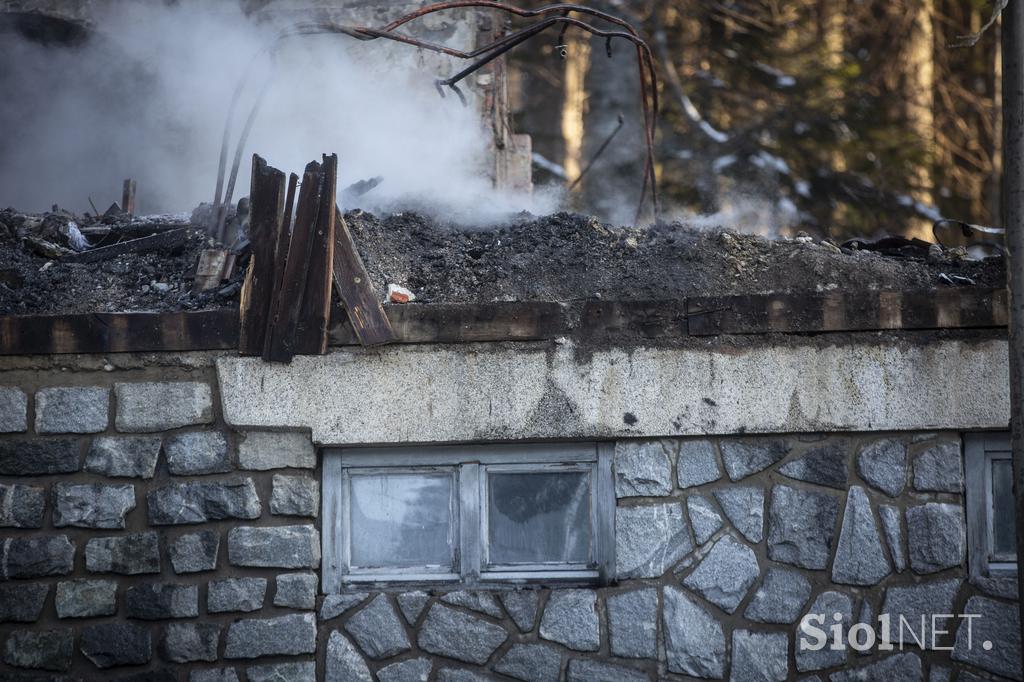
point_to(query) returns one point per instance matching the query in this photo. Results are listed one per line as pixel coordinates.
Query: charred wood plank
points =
(119, 332)
(266, 217)
(464, 323)
(170, 239)
(211, 269)
(282, 343)
(280, 260)
(368, 321)
(128, 197)
(804, 313)
(315, 312)
(647, 319)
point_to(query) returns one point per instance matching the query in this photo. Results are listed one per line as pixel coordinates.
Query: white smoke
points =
(147, 97)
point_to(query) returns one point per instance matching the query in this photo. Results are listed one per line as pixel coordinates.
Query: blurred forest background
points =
(838, 117)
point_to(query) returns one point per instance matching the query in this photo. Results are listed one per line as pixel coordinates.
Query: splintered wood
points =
(286, 299)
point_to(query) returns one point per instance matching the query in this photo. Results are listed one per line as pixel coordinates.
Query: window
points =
(468, 514)
(991, 530)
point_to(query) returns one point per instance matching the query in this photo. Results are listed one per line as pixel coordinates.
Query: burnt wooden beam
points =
(464, 323)
(315, 311)
(803, 313)
(267, 204)
(365, 313)
(282, 342)
(284, 236)
(119, 332)
(128, 197)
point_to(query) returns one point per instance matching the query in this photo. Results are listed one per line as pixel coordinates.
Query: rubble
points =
(560, 257)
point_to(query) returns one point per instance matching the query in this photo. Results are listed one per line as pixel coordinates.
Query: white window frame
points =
(980, 449)
(469, 465)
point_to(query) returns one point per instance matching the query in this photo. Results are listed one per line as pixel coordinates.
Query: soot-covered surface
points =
(560, 257)
(569, 256)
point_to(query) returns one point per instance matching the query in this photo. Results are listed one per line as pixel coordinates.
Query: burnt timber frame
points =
(595, 320)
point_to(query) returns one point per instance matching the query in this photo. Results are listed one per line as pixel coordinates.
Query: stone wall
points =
(143, 538)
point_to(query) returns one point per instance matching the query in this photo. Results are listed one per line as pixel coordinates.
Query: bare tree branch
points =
(972, 39)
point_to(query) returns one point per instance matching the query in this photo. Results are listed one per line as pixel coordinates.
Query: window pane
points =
(401, 520)
(539, 517)
(1004, 540)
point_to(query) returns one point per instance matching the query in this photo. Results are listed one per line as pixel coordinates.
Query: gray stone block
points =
(704, 518)
(521, 605)
(460, 675)
(744, 507)
(21, 506)
(201, 501)
(92, 506)
(883, 465)
(161, 601)
(265, 450)
(531, 663)
(285, 636)
(343, 662)
(997, 623)
(725, 574)
(295, 496)
(940, 469)
(459, 635)
(36, 557)
(40, 649)
(123, 456)
(236, 594)
(900, 667)
(826, 605)
(911, 603)
(650, 540)
(935, 537)
(411, 604)
(570, 618)
(72, 409)
(633, 623)
(195, 552)
(214, 675)
(296, 591)
(744, 458)
(482, 602)
(22, 603)
(86, 598)
(130, 554)
(780, 597)
(583, 670)
(696, 463)
(893, 528)
(336, 604)
(295, 671)
(801, 526)
(694, 640)
(274, 547)
(411, 670)
(377, 629)
(823, 465)
(39, 456)
(860, 558)
(643, 468)
(147, 407)
(13, 410)
(188, 642)
(197, 453)
(759, 656)
(113, 644)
